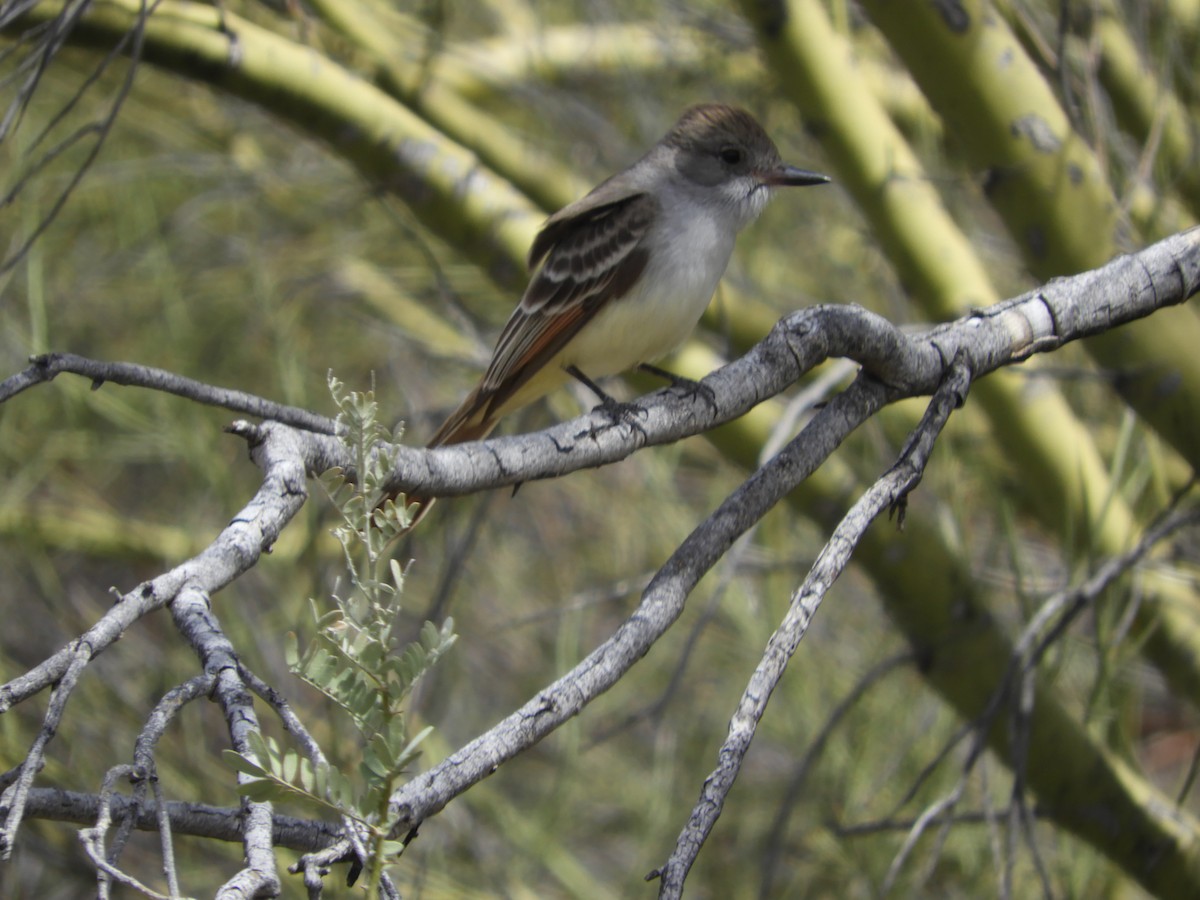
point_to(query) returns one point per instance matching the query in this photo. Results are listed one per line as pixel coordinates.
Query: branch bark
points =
(895, 365)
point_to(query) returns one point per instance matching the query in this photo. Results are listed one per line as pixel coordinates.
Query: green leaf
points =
(242, 764)
(259, 747)
(430, 639)
(321, 781)
(371, 656)
(391, 849)
(373, 762)
(291, 650)
(397, 734)
(291, 765)
(411, 752)
(264, 790)
(341, 790)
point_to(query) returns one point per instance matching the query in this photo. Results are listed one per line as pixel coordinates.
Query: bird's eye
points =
(731, 155)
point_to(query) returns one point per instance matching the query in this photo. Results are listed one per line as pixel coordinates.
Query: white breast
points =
(689, 248)
(688, 256)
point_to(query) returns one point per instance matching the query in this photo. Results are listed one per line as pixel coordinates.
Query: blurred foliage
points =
(213, 239)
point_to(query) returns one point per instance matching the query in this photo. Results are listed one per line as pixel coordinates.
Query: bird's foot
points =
(688, 388)
(618, 413)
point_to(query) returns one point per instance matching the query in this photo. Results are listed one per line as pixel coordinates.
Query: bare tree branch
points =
(195, 620)
(236, 549)
(144, 773)
(46, 39)
(195, 819)
(911, 364)
(895, 365)
(93, 843)
(47, 367)
(889, 492)
(1016, 691)
(774, 851)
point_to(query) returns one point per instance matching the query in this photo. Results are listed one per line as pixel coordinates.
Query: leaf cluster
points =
(356, 658)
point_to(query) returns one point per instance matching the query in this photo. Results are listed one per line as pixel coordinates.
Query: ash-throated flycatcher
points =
(626, 272)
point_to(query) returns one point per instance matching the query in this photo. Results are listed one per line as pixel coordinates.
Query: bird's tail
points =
(472, 421)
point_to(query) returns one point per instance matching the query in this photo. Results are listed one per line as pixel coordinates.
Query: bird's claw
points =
(617, 413)
(687, 388)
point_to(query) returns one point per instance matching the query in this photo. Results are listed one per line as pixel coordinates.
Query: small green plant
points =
(356, 658)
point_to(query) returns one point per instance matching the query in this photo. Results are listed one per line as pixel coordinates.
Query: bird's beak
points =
(790, 176)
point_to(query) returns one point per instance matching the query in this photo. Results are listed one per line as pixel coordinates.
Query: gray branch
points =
(909, 364)
(1128, 288)
(48, 366)
(219, 823)
(889, 492)
(895, 365)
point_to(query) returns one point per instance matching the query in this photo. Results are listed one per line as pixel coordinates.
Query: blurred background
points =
(355, 192)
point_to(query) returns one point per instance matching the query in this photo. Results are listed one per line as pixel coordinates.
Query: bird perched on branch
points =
(622, 275)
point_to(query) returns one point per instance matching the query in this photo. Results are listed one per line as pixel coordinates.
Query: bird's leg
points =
(617, 411)
(688, 388)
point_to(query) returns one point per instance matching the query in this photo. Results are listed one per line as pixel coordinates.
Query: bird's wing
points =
(591, 257)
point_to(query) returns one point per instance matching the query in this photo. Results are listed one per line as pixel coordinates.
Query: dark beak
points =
(790, 176)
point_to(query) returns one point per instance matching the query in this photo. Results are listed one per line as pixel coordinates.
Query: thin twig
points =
(92, 840)
(197, 623)
(145, 775)
(774, 846)
(886, 493)
(46, 368)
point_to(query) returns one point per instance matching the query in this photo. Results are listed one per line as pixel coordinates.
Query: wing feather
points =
(591, 253)
(594, 259)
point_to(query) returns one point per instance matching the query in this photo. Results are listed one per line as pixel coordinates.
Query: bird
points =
(622, 275)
